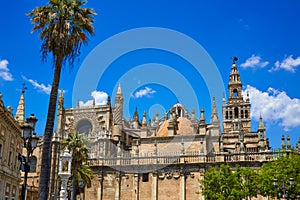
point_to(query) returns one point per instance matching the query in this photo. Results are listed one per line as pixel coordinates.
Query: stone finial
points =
(283, 146)
(202, 117)
(261, 126)
(288, 142)
(10, 109)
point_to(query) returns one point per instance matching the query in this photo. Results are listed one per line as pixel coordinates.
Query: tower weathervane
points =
(234, 59)
(24, 87)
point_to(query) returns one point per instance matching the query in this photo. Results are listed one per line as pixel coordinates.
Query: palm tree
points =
(78, 145)
(63, 26)
(84, 177)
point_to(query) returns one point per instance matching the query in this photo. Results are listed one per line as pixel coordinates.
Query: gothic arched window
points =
(84, 126)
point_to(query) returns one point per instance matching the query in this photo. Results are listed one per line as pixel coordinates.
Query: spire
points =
(214, 119)
(20, 115)
(202, 118)
(193, 115)
(261, 126)
(61, 100)
(136, 115)
(136, 124)
(60, 115)
(108, 101)
(144, 122)
(118, 107)
(156, 117)
(119, 91)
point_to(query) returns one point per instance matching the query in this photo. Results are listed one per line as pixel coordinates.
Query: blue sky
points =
(264, 35)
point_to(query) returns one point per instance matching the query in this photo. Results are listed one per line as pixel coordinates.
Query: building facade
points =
(11, 145)
(164, 159)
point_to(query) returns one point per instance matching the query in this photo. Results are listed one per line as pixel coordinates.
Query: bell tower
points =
(236, 112)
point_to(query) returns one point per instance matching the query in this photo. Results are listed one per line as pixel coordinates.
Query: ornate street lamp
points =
(64, 172)
(284, 187)
(30, 143)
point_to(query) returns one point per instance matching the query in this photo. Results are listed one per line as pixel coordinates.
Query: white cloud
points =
(100, 99)
(289, 64)
(40, 86)
(254, 62)
(144, 92)
(4, 71)
(274, 106)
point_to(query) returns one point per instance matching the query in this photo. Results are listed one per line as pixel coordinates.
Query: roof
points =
(184, 127)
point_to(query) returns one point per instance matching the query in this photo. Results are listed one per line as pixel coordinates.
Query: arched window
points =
(230, 114)
(236, 112)
(242, 113)
(226, 115)
(84, 126)
(235, 93)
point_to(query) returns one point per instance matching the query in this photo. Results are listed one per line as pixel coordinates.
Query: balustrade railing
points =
(176, 158)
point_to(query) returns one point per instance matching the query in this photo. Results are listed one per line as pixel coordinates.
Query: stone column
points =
(201, 177)
(154, 186)
(182, 187)
(135, 194)
(118, 185)
(100, 188)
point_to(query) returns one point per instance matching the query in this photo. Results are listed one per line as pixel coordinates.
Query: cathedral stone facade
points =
(11, 145)
(164, 159)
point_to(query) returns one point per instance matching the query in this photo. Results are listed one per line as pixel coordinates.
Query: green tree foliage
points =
(81, 172)
(63, 26)
(283, 168)
(248, 180)
(223, 183)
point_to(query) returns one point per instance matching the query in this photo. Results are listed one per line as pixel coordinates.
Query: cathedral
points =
(164, 159)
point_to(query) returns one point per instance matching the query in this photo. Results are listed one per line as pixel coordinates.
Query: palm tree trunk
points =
(74, 184)
(46, 152)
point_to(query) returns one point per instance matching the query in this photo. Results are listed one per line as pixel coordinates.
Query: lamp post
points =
(30, 143)
(64, 172)
(284, 188)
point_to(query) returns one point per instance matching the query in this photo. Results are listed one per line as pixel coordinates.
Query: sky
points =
(163, 52)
